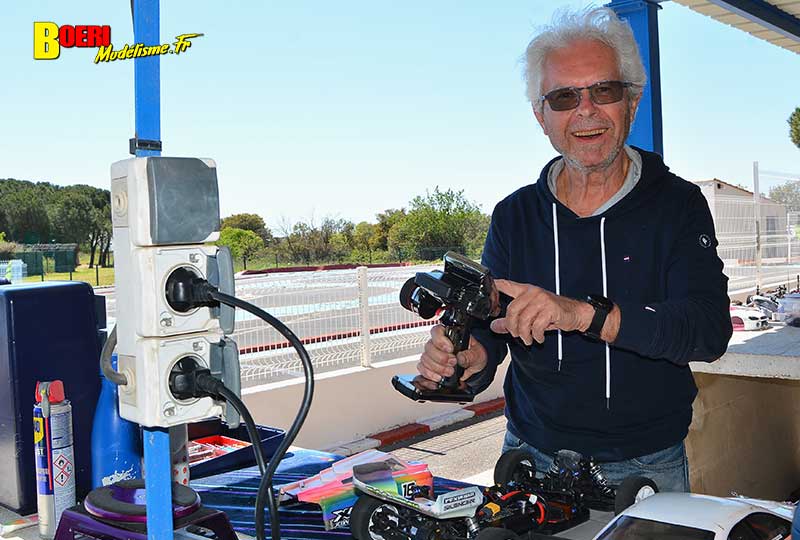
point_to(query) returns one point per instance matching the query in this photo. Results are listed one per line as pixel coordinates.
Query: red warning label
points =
(62, 470)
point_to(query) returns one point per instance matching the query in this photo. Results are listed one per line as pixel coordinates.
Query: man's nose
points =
(586, 107)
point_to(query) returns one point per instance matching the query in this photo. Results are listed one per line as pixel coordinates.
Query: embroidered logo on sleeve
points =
(705, 241)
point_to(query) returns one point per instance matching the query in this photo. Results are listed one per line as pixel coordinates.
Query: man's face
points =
(590, 136)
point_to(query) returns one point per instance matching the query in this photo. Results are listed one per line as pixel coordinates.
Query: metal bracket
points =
(143, 144)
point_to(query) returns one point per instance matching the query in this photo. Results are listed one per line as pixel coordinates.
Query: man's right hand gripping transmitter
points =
(463, 293)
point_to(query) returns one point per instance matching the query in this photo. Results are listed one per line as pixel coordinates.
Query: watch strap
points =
(601, 311)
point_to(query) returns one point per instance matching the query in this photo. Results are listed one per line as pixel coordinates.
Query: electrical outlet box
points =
(165, 214)
(164, 210)
(166, 200)
(147, 398)
(152, 268)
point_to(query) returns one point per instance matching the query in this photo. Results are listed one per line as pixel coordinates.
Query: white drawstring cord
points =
(605, 293)
(558, 278)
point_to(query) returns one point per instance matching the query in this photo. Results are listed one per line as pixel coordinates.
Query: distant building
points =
(733, 208)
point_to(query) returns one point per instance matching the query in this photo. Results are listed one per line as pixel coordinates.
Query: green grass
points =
(94, 277)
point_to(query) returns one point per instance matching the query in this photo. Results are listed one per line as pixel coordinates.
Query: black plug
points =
(185, 291)
(188, 380)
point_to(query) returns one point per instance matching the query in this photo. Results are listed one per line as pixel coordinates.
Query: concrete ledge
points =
(353, 404)
(771, 353)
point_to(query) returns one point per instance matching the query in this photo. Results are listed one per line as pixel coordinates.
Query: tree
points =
(249, 222)
(794, 127)
(363, 241)
(386, 220)
(435, 223)
(788, 194)
(71, 217)
(476, 229)
(100, 233)
(27, 216)
(331, 227)
(243, 244)
(340, 246)
(307, 243)
(363, 235)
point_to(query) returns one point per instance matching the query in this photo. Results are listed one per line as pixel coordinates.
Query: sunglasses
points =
(601, 93)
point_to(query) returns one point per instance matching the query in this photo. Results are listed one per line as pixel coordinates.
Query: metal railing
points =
(760, 252)
(345, 318)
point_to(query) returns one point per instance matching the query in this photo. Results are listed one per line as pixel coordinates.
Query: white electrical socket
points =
(147, 399)
(152, 267)
(165, 211)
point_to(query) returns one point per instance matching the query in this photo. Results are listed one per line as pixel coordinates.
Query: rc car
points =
(748, 318)
(701, 517)
(332, 489)
(519, 502)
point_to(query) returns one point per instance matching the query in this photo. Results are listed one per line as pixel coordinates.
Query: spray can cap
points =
(54, 390)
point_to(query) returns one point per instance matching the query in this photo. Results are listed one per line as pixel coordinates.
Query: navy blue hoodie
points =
(654, 255)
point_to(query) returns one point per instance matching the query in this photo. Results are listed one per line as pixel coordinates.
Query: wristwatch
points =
(602, 307)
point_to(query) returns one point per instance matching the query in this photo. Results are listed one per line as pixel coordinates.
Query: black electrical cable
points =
(249, 423)
(265, 486)
(105, 360)
(211, 386)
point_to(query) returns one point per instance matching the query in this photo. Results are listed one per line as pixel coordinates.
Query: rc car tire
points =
(632, 490)
(364, 513)
(518, 466)
(496, 533)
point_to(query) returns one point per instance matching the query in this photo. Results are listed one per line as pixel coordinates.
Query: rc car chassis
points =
(520, 501)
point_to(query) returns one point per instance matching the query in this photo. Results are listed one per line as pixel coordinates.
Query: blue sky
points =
(344, 109)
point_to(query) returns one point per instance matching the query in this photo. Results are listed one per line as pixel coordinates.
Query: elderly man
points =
(611, 261)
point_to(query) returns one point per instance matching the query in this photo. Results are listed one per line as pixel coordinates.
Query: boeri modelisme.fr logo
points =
(49, 38)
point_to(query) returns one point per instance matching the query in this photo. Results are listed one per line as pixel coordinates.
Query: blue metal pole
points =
(158, 483)
(147, 74)
(642, 15)
(147, 84)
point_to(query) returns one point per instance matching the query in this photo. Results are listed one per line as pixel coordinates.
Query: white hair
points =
(599, 23)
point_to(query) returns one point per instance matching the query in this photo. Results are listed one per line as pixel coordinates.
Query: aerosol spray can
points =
(55, 459)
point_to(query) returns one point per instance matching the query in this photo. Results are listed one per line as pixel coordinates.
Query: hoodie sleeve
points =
(693, 323)
(495, 257)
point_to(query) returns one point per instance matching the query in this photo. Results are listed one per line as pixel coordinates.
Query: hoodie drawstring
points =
(558, 278)
(605, 293)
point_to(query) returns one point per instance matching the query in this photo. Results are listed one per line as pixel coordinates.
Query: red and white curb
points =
(424, 425)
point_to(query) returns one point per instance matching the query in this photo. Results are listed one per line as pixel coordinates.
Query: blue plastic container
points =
(116, 446)
(270, 437)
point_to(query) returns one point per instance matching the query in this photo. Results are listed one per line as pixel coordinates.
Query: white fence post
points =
(757, 212)
(363, 311)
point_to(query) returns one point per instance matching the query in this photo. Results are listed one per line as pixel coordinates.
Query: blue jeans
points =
(668, 468)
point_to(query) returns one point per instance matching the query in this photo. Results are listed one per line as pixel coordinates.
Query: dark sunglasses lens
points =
(606, 92)
(563, 99)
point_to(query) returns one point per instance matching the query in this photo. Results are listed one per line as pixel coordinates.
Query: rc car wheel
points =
(518, 466)
(632, 490)
(371, 517)
(496, 533)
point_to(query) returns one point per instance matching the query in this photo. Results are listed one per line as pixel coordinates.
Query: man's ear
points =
(539, 117)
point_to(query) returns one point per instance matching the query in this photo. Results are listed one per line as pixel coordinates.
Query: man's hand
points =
(535, 311)
(438, 361)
